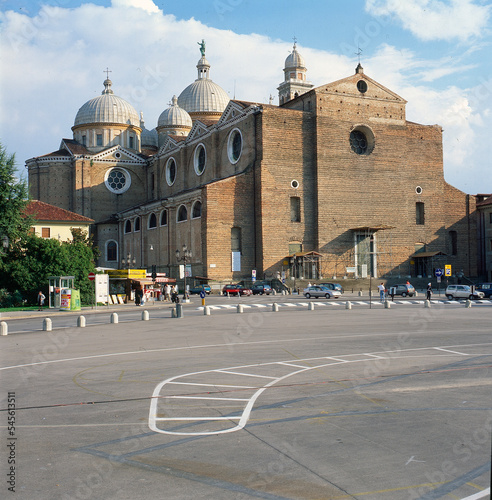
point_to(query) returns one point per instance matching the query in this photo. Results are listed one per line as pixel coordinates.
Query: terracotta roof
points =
(60, 152)
(75, 147)
(486, 202)
(41, 211)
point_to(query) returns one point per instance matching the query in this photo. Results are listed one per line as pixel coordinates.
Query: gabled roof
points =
(41, 211)
(74, 147)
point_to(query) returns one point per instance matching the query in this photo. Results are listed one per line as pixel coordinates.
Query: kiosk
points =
(56, 285)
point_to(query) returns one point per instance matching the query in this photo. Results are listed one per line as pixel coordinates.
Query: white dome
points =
(203, 95)
(174, 116)
(107, 108)
(294, 60)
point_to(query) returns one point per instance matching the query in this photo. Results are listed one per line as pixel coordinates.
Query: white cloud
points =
(436, 19)
(147, 5)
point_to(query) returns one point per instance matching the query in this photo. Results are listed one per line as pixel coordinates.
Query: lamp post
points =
(187, 254)
(129, 261)
(293, 261)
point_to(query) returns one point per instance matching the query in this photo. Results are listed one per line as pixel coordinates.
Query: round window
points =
(418, 190)
(362, 86)
(170, 171)
(117, 180)
(234, 146)
(294, 184)
(362, 140)
(200, 159)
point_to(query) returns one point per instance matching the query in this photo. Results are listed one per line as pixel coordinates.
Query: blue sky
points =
(434, 53)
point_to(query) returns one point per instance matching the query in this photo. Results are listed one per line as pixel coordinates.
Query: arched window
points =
(137, 224)
(182, 214)
(200, 159)
(111, 251)
(197, 210)
(128, 226)
(171, 171)
(164, 218)
(152, 221)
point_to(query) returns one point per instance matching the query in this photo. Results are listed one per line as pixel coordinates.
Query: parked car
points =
(200, 288)
(402, 290)
(261, 289)
(236, 290)
(333, 286)
(486, 288)
(462, 292)
(321, 291)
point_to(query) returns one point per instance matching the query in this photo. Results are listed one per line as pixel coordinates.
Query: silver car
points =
(462, 292)
(321, 291)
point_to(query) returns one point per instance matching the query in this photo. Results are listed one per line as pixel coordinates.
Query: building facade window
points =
(117, 180)
(295, 209)
(362, 140)
(99, 140)
(171, 171)
(236, 249)
(182, 214)
(131, 142)
(419, 213)
(45, 232)
(137, 224)
(200, 159)
(197, 210)
(234, 146)
(152, 223)
(164, 218)
(128, 226)
(111, 251)
(453, 242)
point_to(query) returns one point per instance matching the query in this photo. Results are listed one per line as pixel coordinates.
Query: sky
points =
(433, 53)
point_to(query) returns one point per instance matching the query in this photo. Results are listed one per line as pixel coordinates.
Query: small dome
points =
(174, 116)
(203, 95)
(107, 108)
(294, 60)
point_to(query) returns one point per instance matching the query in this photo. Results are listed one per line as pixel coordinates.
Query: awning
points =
(379, 227)
(426, 254)
(303, 254)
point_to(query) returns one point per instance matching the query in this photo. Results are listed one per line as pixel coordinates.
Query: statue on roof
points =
(202, 47)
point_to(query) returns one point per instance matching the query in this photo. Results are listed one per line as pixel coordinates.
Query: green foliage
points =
(13, 200)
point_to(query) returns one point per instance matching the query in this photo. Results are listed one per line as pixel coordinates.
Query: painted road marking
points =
(276, 374)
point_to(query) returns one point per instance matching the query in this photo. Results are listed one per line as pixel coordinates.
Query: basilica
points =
(332, 182)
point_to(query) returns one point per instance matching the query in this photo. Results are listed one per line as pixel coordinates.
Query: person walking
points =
(167, 292)
(40, 301)
(429, 291)
(382, 290)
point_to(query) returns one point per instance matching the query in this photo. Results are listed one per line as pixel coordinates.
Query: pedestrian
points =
(40, 301)
(381, 292)
(138, 296)
(429, 291)
(392, 293)
(167, 292)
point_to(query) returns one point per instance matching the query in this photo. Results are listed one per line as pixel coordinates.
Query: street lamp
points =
(293, 261)
(129, 261)
(186, 256)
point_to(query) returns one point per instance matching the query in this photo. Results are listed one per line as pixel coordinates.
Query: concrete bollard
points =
(348, 305)
(81, 321)
(274, 292)
(274, 307)
(468, 303)
(387, 304)
(416, 293)
(240, 308)
(228, 295)
(206, 311)
(4, 329)
(173, 313)
(360, 293)
(145, 315)
(47, 325)
(427, 303)
(179, 311)
(283, 292)
(114, 318)
(311, 306)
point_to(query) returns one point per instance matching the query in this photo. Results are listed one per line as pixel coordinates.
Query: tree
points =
(13, 199)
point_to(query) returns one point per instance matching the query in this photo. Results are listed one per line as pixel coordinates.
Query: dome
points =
(107, 108)
(203, 95)
(294, 60)
(174, 116)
